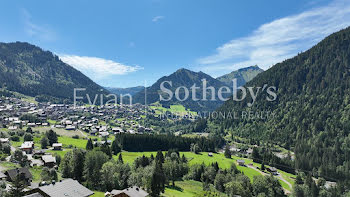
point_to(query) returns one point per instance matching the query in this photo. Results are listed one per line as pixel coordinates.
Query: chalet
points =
(4, 141)
(17, 122)
(57, 146)
(117, 130)
(49, 160)
(70, 127)
(104, 134)
(23, 173)
(39, 152)
(131, 131)
(128, 192)
(272, 170)
(11, 128)
(27, 147)
(240, 162)
(249, 151)
(12, 119)
(31, 124)
(67, 187)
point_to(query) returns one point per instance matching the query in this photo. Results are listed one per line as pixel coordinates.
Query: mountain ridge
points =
(129, 90)
(28, 69)
(243, 75)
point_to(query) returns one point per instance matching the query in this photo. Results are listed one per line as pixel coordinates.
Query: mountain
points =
(124, 91)
(29, 70)
(242, 75)
(311, 110)
(186, 78)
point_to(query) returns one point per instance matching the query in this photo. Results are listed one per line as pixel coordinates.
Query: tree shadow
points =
(175, 188)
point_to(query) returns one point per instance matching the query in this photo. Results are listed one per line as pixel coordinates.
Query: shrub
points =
(15, 138)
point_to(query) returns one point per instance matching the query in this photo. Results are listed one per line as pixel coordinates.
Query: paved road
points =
(278, 177)
(83, 133)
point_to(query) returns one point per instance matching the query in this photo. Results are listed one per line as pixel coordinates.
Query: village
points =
(20, 118)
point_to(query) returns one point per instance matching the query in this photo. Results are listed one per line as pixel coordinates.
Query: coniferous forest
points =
(311, 112)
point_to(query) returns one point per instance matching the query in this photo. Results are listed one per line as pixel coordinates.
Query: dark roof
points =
(66, 188)
(34, 195)
(14, 172)
(131, 191)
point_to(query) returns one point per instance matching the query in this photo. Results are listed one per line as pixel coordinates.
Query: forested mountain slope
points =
(187, 78)
(29, 70)
(312, 109)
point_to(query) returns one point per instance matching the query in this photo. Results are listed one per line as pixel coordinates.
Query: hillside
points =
(242, 75)
(312, 109)
(187, 78)
(131, 90)
(29, 70)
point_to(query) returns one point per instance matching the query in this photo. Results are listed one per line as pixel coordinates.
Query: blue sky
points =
(128, 43)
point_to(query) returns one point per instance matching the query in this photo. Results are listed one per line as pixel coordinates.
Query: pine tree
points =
(227, 152)
(115, 147)
(89, 145)
(52, 136)
(160, 157)
(262, 166)
(120, 158)
(44, 142)
(17, 187)
(158, 179)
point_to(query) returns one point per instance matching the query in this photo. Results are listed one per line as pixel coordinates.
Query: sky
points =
(135, 42)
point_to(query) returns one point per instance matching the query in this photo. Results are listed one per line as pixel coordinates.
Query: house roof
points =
(131, 191)
(4, 140)
(27, 144)
(14, 172)
(67, 188)
(34, 195)
(48, 159)
(56, 144)
(273, 169)
(240, 161)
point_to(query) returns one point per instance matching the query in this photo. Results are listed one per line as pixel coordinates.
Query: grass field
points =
(19, 143)
(223, 162)
(67, 141)
(59, 152)
(8, 165)
(35, 171)
(193, 158)
(59, 131)
(184, 188)
(178, 109)
(98, 194)
(129, 157)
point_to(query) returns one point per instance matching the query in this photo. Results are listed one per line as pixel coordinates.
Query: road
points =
(278, 177)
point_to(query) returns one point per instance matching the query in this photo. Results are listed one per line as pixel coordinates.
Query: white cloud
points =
(42, 32)
(157, 18)
(278, 40)
(98, 68)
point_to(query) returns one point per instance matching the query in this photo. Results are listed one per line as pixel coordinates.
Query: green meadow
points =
(179, 109)
(193, 158)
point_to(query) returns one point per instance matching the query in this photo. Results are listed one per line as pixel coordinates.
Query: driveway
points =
(278, 177)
